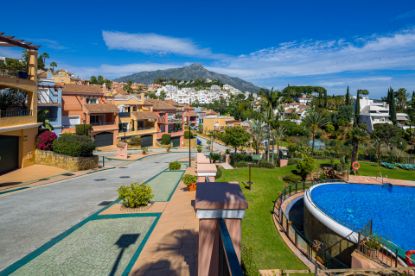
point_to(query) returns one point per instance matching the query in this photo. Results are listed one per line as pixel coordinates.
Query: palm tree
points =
(271, 105)
(314, 120)
(357, 134)
(257, 132)
(278, 133)
(53, 65)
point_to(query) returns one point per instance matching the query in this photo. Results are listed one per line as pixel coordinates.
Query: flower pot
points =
(192, 187)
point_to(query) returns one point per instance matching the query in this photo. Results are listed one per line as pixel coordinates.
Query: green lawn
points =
(372, 169)
(258, 230)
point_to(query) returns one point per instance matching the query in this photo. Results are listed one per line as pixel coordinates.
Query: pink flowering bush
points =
(45, 140)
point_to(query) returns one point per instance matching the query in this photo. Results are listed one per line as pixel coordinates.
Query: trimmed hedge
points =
(74, 145)
(174, 166)
(165, 139)
(135, 195)
(261, 164)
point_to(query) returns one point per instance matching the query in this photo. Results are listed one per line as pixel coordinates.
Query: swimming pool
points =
(391, 208)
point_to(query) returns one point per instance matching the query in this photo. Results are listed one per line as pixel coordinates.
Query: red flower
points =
(45, 140)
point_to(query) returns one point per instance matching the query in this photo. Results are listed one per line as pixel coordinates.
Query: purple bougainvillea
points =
(45, 140)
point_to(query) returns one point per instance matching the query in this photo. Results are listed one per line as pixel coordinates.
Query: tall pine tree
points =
(347, 98)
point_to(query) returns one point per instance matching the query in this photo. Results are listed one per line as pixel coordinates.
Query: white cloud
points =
(395, 51)
(114, 71)
(155, 43)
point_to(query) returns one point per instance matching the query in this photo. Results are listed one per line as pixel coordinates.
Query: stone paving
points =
(103, 246)
(28, 174)
(163, 184)
(52, 209)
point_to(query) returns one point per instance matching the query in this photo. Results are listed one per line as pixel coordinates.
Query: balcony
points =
(124, 114)
(15, 113)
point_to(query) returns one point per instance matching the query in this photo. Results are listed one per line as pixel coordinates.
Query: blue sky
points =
(364, 44)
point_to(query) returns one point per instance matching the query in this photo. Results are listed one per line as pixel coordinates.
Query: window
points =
(91, 100)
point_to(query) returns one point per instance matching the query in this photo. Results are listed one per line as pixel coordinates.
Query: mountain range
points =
(186, 73)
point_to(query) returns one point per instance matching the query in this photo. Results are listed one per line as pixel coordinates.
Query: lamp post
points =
(188, 129)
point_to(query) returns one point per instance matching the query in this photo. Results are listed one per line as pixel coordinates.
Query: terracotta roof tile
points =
(83, 89)
(160, 105)
(101, 108)
(145, 115)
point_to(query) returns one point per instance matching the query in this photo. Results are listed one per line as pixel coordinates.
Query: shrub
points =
(45, 140)
(134, 141)
(188, 134)
(199, 148)
(144, 150)
(241, 164)
(135, 195)
(219, 172)
(292, 178)
(305, 166)
(240, 157)
(265, 164)
(189, 179)
(83, 129)
(227, 151)
(74, 145)
(174, 166)
(168, 148)
(214, 157)
(165, 139)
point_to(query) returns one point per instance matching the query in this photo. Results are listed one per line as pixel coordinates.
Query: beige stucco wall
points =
(27, 141)
(65, 162)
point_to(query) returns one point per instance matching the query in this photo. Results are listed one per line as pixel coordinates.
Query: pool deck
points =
(378, 180)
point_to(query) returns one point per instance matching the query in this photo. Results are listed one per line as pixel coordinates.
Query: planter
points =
(192, 187)
(65, 162)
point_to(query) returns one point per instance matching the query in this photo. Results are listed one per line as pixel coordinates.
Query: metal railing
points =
(228, 260)
(15, 113)
(13, 73)
(124, 114)
(102, 123)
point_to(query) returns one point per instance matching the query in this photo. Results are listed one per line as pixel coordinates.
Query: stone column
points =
(214, 202)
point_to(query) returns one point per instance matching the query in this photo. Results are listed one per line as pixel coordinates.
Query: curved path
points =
(30, 218)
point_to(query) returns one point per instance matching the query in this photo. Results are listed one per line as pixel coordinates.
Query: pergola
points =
(10, 41)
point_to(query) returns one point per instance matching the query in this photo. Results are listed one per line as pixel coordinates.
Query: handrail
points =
(230, 254)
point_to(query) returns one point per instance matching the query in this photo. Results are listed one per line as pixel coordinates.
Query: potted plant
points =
(190, 181)
(144, 150)
(373, 244)
(199, 148)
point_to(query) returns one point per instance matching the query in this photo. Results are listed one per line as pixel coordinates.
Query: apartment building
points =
(50, 99)
(170, 120)
(86, 104)
(373, 112)
(136, 118)
(18, 116)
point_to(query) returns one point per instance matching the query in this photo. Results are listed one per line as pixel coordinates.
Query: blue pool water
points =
(391, 208)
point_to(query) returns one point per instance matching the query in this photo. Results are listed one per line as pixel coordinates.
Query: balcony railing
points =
(102, 123)
(12, 73)
(124, 114)
(15, 113)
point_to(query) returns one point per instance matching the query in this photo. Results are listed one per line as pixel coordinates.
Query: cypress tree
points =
(392, 106)
(413, 100)
(357, 109)
(347, 99)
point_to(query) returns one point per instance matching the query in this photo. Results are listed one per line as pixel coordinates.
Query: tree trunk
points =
(355, 151)
(268, 139)
(236, 148)
(312, 143)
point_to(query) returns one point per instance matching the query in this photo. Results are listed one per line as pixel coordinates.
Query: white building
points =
(373, 112)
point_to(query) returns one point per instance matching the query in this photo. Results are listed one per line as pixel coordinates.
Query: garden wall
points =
(65, 162)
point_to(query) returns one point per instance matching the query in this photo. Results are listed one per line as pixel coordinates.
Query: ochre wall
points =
(27, 141)
(65, 162)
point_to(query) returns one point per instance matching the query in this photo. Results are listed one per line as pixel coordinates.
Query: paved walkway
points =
(379, 180)
(172, 247)
(31, 217)
(29, 174)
